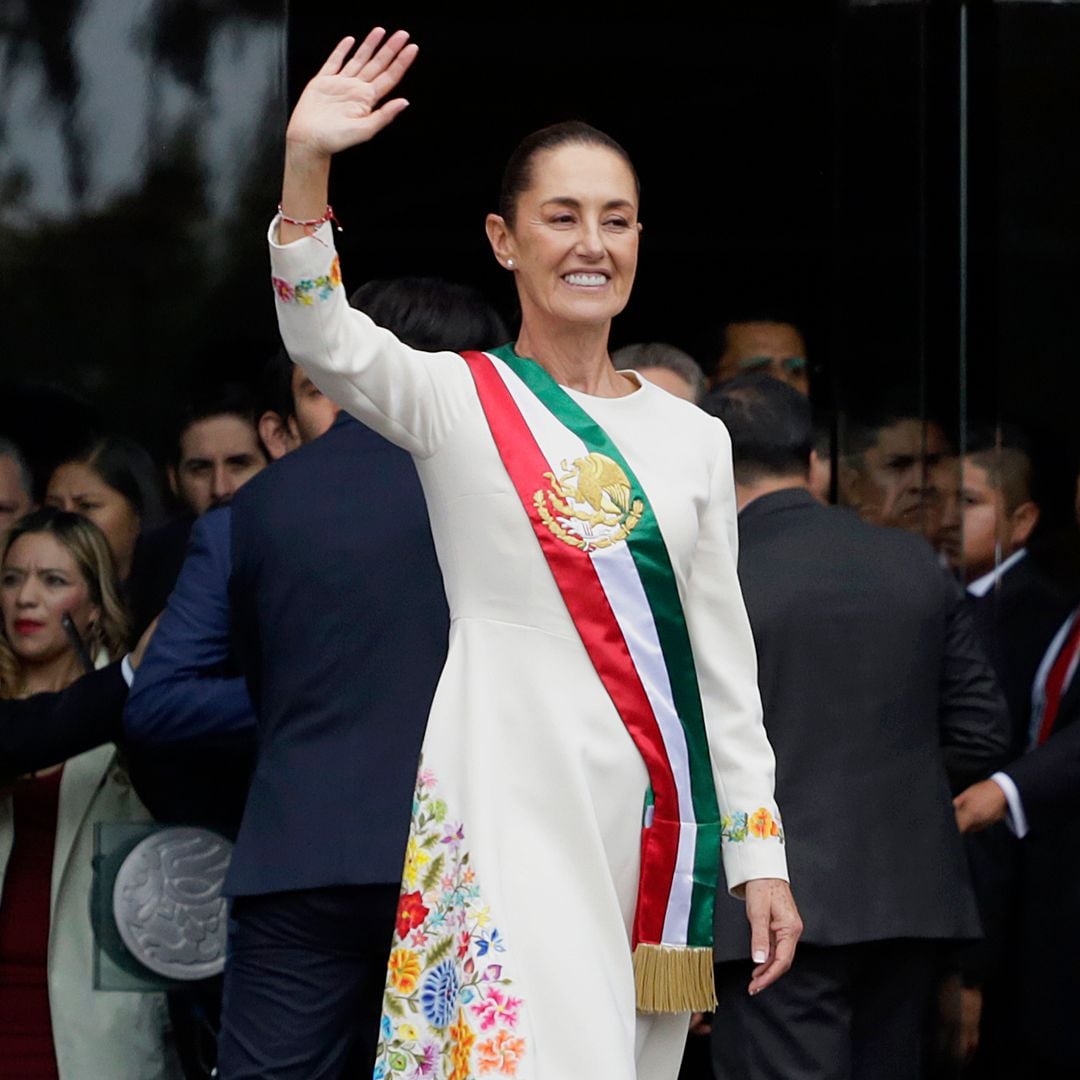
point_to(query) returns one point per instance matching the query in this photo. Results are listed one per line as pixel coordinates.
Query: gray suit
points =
(877, 700)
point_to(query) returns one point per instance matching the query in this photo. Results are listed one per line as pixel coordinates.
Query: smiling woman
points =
(595, 748)
(52, 1022)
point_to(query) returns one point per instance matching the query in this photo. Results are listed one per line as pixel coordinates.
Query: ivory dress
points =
(511, 955)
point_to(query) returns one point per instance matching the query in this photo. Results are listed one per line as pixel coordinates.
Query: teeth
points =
(585, 279)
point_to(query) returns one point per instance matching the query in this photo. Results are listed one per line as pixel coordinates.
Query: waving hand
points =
(342, 106)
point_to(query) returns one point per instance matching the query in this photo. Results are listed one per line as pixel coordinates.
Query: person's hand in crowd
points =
(775, 928)
(980, 806)
(137, 654)
(960, 1012)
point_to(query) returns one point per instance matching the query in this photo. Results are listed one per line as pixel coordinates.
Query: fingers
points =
(385, 115)
(783, 954)
(337, 57)
(364, 53)
(758, 912)
(385, 56)
(775, 928)
(393, 74)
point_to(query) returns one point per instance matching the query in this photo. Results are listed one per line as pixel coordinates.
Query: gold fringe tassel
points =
(674, 979)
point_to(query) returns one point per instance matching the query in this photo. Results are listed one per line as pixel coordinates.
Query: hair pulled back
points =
(518, 174)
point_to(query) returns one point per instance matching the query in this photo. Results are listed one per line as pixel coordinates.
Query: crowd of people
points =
(324, 628)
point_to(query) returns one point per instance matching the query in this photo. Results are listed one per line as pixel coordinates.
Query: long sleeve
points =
(411, 398)
(46, 729)
(1047, 779)
(973, 715)
(726, 662)
(184, 688)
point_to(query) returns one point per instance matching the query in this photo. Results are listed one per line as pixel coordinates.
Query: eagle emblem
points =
(590, 506)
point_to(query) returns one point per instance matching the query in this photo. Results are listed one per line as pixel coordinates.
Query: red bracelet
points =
(310, 226)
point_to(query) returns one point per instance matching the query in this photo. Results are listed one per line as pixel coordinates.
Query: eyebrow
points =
(240, 459)
(575, 204)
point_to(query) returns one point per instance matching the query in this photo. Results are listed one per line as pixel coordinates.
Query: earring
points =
(509, 264)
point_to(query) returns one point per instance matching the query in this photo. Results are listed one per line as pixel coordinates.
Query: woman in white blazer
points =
(52, 1020)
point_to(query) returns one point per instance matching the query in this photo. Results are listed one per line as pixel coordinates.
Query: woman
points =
(568, 816)
(52, 1021)
(113, 482)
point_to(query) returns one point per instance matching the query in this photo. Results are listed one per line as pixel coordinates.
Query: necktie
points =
(1055, 681)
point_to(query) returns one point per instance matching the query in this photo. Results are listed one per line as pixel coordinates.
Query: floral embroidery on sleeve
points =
(761, 824)
(306, 291)
(448, 1009)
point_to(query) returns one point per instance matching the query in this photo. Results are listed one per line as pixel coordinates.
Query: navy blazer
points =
(340, 624)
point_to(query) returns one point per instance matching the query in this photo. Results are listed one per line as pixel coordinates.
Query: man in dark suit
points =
(1038, 794)
(876, 698)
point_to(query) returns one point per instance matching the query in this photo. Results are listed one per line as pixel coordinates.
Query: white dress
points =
(512, 955)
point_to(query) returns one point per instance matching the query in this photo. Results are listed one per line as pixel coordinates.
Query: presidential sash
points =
(604, 547)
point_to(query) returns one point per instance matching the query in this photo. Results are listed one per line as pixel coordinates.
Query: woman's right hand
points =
(340, 107)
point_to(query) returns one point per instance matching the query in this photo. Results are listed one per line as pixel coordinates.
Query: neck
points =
(747, 493)
(51, 676)
(575, 356)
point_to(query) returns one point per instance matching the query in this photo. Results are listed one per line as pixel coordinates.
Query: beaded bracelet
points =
(310, 226)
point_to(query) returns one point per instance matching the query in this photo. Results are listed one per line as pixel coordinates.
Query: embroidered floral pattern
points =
(735, 828)
(308, 290)
(448, 1011)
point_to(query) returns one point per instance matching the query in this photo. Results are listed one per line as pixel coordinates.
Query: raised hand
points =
(340, 107)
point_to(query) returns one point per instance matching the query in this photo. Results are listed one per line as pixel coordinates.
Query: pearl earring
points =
(509, 264)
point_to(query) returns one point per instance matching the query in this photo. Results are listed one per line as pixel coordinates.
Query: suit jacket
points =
(875, 697)
(46, 729)
(340, 623)
(159, 554)
(189, 723)
(1048, 874)
(1015, 622)
(97, 1033)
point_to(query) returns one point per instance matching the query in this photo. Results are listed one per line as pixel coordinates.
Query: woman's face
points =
(77, 488)
(40, 582)
(574, 242)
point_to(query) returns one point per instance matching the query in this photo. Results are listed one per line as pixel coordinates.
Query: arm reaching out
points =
(339, 108)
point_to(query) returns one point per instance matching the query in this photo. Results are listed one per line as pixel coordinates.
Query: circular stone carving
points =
(168, 905)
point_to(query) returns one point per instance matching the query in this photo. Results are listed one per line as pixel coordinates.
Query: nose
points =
(28, 593)
(222, 488)
(590, 243)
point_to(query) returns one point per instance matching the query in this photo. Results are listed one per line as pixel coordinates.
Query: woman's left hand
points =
(775, 928)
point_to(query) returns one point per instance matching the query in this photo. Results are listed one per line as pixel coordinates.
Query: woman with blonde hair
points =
(56, 567)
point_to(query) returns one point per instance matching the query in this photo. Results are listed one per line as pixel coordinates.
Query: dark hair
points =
(275, 386)
(432, 314)
(1004, 452)
(770, 424)
(126, 467)
(518, 174)
(8, 449)
(861, 430)
(222, 399)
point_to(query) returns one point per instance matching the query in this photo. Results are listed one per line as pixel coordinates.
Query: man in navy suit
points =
(321, 581)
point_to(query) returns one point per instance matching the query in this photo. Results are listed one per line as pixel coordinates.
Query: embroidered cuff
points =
(761, 824)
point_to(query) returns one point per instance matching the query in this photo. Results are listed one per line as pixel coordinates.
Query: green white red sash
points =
(603, 544)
